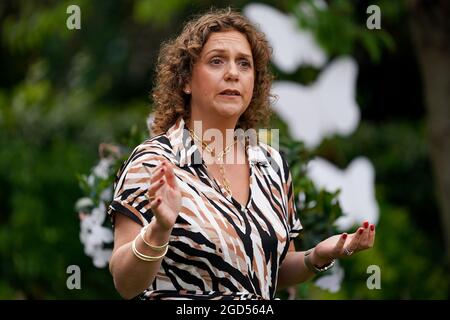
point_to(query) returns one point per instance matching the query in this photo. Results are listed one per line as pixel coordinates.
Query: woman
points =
(199, 222)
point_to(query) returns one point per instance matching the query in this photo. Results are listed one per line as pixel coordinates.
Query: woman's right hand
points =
(165, 195)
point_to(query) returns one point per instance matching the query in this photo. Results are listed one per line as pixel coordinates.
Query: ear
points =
(187, 88)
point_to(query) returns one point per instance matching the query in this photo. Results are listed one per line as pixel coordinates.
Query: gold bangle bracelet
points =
(312, 267)
(144, 257)
(155, 248)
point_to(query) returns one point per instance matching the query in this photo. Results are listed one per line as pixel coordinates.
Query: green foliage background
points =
(64, 92)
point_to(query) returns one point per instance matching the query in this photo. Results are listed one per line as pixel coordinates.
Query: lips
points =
(230, 92)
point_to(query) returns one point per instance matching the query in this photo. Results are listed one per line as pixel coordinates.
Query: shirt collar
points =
(187, 153)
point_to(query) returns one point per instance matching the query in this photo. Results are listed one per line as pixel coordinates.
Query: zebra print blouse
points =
(218, 248)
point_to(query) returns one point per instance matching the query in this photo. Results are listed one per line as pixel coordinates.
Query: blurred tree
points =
(430, 23)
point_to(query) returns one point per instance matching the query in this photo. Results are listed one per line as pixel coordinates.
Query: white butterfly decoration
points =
(357, 196)
(322, 109)
(312, 112)
(292, 47)
(332, 281)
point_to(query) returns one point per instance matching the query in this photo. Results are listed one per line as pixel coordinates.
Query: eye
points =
(245, 63)
(215, 61)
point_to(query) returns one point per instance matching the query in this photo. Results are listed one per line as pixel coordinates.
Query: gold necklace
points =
(219, 157)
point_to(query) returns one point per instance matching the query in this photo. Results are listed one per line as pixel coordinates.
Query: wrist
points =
(313, 265)
(156, 234)
(161, 227)
(319, 261)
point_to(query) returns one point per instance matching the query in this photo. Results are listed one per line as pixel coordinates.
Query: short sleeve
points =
(131, 184)
(293, 222)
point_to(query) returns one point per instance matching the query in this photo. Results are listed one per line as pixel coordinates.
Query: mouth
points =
(230, 93)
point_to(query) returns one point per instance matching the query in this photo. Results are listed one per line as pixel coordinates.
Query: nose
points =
(232, 72)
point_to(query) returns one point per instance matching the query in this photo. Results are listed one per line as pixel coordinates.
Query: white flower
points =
(98, 214)
(84, 204)
(94, 236)
(150, 120)
(101, 170)
(91, 181)
(106, 195)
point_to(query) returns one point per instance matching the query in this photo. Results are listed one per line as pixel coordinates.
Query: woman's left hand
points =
(344, 245)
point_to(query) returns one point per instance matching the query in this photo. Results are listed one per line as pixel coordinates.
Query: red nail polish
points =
(344, 236)
(159, 200)
(360, 231)
(366, 224)
(372, 227)
(161, 181)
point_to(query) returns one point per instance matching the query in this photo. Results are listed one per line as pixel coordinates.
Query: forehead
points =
(228, 41)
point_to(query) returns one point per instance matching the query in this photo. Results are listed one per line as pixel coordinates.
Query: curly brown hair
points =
(177, 58)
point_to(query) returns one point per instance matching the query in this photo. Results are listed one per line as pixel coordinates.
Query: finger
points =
(354, 244)
(365, 236)
(158, 174)
(152, 170)
(340, 245)
(371, 236)
(155, 204)
(170, 176)
(155, 186)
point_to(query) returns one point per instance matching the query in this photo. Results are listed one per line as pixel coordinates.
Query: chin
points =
(229, 110)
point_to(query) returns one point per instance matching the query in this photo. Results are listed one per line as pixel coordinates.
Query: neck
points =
(218, 135)
(213, 129)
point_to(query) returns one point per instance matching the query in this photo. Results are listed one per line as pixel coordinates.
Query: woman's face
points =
(222, 79)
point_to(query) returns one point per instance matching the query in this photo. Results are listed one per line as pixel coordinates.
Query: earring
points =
(187, 91)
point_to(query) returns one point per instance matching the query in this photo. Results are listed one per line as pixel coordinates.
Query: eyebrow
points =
(225, 51)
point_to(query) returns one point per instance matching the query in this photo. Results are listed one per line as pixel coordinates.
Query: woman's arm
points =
(132, 275)
(293, 269)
